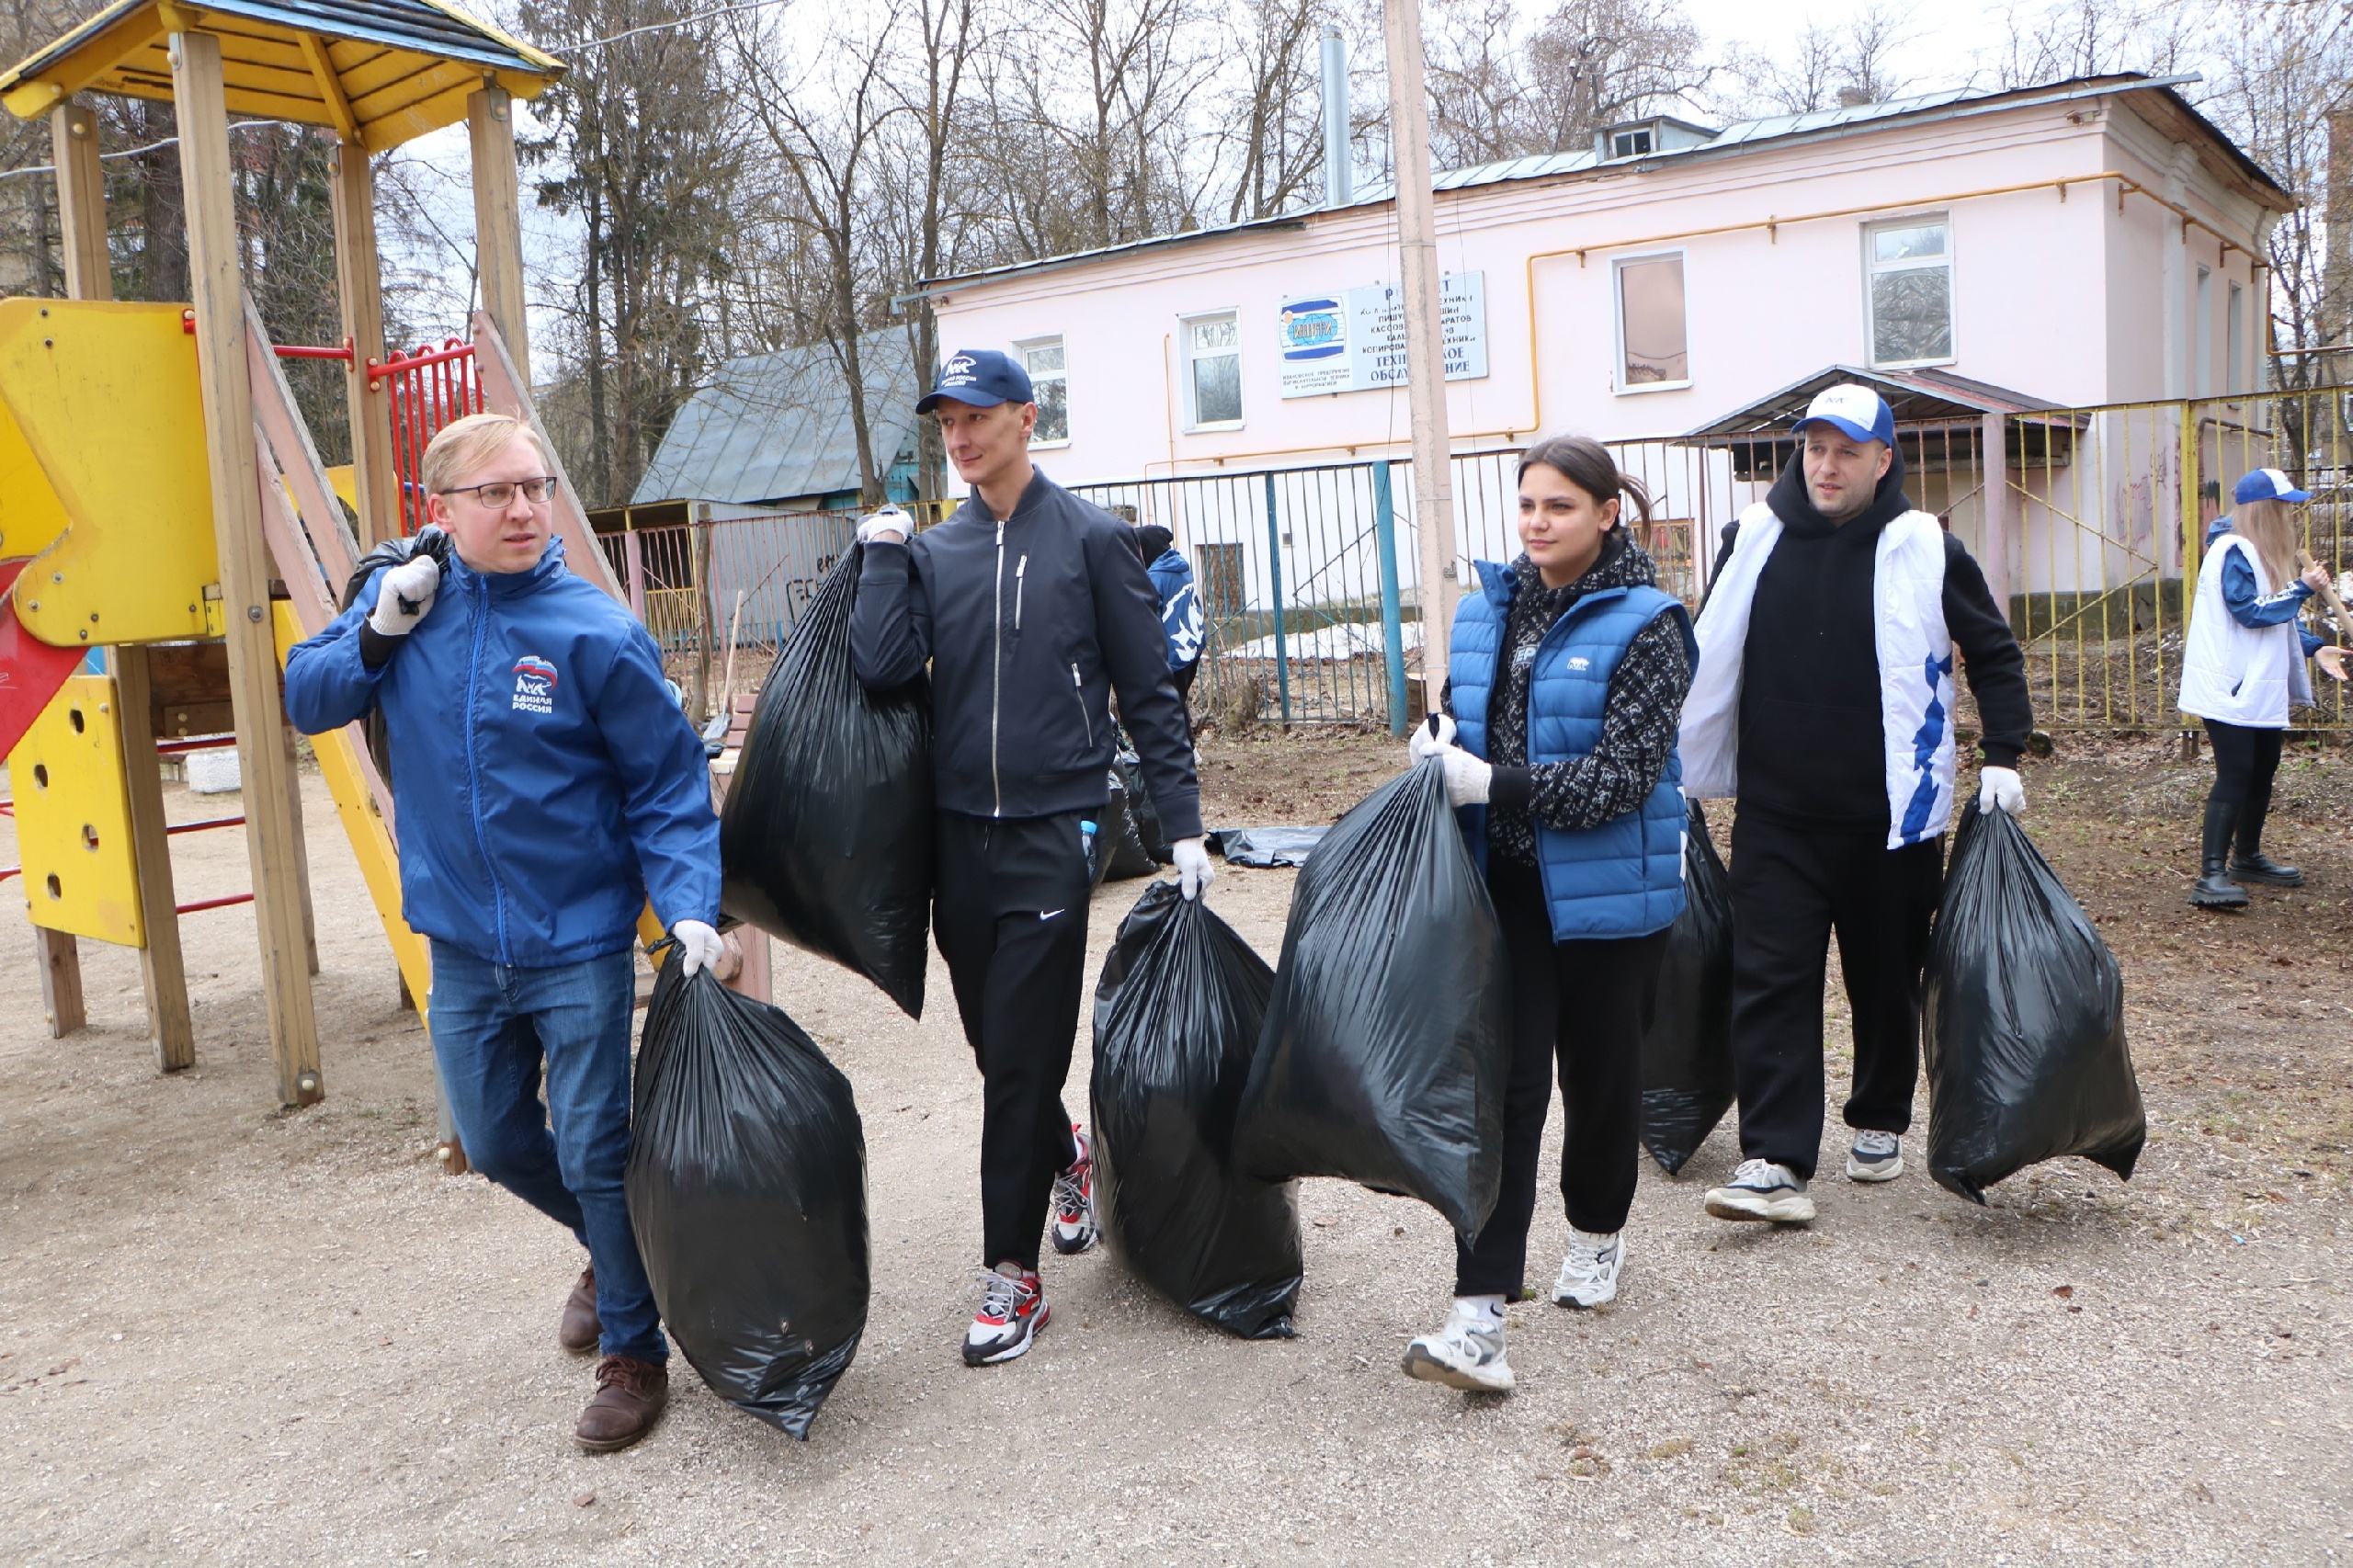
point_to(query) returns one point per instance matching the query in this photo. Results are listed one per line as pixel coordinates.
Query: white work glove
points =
(890, 525)
(403, 595)
(1467, 777)
(1194, 872)
(2000, 786)
(698, 946)
(1429, 739)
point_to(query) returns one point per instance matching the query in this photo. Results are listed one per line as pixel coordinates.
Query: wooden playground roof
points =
(377, 73)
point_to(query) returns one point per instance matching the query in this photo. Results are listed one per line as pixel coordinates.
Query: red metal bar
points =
(397, 361)
(291, 351)
(198, 743)
(204, 904)
(201, 827)
(7, 871)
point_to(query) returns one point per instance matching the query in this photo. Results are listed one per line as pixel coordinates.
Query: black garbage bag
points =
(2024, 1020)
(1686, 1056)
(826, 839)
(427, 540)
(747, 1192)
(1128, 857)
(1388, 1035)
(1130, 767)
(1176, 1018)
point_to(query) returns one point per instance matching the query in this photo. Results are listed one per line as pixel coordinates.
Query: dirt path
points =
(231, 1336)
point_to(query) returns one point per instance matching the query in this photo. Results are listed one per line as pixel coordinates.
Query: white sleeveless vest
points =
(1915, 671)
(2239, 675)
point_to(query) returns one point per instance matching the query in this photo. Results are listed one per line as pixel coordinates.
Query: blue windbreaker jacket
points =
(544, 780)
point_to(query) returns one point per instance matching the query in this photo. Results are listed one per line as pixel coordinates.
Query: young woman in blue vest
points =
(2241, 668)
(1565, 684)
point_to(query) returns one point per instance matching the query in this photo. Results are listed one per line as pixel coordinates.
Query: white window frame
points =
(1022, 346)
(1872, 267)
(1194, 423)
(2234, 376)
(2202, 341)
(1618, 266)
(1648, 133)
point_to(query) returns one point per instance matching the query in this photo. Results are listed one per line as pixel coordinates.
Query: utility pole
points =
(1409, 136)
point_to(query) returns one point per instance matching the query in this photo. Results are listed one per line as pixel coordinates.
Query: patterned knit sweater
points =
(1637, 723)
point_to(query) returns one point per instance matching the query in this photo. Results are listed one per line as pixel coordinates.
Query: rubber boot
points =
(2214, 890)
(2248, 862)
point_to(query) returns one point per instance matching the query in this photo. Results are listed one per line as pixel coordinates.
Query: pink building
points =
(2093, 242)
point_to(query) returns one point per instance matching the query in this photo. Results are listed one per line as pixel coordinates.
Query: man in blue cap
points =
(1823, 700)
(1032, 609)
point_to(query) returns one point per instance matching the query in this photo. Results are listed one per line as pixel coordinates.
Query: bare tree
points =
(1500, 89)
(1824, 67)
(1273, 106)
(824, 127)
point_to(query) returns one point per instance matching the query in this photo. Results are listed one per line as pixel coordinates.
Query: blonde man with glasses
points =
(546, 784)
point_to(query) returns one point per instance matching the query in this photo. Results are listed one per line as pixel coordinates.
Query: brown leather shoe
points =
(579, 1331)
(629, 1401)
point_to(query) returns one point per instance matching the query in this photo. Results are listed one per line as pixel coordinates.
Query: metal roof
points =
(771, 426)
(377, 72)
(1733, 141)
(1913, 396)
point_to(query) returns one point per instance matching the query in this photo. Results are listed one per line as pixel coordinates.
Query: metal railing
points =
(431, 388)
(740, 583)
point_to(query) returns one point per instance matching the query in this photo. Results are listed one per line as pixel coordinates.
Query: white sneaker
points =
(1074, 1209)
(1590, 1274)
(1468, 1354)
(1876, 1156)
(1762, 1190)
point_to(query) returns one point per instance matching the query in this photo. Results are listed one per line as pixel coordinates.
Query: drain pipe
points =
(1339, 158)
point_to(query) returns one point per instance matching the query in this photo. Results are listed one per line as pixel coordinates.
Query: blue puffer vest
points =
(1624, 877)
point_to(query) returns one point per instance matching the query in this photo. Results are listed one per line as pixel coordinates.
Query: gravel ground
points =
(228, 1336)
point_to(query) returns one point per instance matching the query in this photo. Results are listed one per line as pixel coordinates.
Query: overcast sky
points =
(1941, 46)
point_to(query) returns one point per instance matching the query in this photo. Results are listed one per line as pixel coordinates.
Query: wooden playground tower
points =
(156, 472)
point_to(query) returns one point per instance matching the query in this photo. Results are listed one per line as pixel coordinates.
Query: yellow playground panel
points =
(104, 399)
(74, 818)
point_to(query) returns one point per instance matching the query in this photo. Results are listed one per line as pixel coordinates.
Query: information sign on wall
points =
(1355, 341)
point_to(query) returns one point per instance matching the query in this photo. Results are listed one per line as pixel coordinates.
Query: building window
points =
(2202, 335)
(2234, 376)
(1654, 346)
(1910, 275)
(1634, 143)
(1213, 369)
(1049, 383)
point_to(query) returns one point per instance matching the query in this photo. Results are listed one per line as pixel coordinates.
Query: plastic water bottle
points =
(1086, 842)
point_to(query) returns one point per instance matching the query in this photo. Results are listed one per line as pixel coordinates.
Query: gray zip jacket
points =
(1030, 626)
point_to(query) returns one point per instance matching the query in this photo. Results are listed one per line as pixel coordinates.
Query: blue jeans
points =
(491, 1024)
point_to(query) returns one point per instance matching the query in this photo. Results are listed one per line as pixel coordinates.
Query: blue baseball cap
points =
(980, 378)
(2268, 484)
(1858, 411)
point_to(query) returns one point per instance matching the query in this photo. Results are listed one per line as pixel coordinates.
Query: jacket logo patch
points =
(1579, 661)
(534, 684)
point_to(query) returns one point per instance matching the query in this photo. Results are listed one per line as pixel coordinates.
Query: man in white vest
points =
(1824, 701)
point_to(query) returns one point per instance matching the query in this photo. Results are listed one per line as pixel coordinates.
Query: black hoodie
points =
(1811, 748)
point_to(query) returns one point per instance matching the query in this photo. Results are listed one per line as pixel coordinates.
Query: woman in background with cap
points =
(2243, 666)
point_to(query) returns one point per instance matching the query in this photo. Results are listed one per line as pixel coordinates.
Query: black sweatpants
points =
(1584, 1004)
(1791, 886)
(2245, 760)
(1009, 913)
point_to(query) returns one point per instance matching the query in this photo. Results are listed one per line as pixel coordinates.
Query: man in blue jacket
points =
(1180, 607)
(545, 783)
(1032, 609)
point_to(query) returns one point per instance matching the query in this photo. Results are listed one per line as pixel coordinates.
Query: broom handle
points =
(2328, 596)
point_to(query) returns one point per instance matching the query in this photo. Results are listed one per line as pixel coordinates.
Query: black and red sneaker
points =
(1074, 1228)
(1013, 1309)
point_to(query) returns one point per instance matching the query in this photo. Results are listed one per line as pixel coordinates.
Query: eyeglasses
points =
(500, 493)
